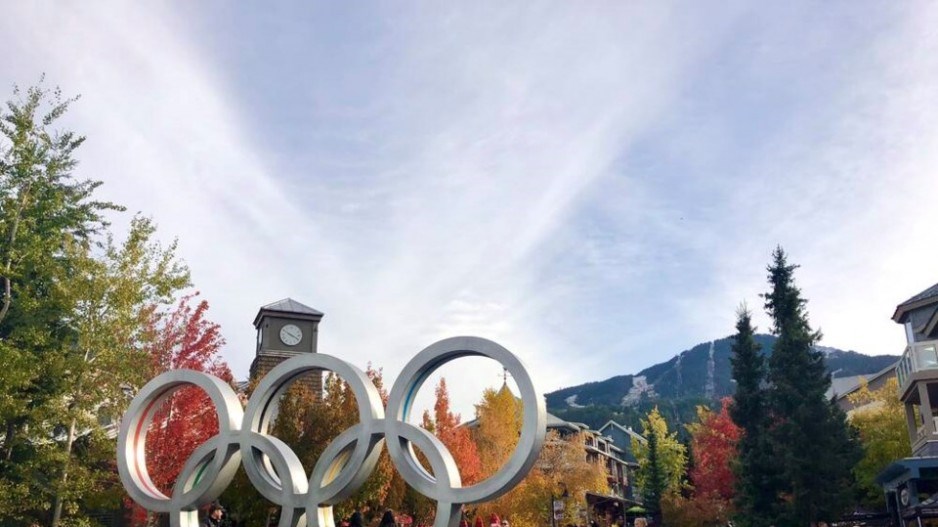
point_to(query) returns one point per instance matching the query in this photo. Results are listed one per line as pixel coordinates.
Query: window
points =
(926, 357)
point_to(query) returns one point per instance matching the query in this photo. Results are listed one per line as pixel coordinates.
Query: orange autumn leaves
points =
(447, 427)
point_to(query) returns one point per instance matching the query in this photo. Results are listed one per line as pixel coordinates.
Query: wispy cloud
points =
(596, 187)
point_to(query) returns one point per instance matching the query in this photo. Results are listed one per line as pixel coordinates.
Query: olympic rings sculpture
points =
(276, 471)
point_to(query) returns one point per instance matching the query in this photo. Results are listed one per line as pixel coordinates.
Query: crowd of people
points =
(217, 516)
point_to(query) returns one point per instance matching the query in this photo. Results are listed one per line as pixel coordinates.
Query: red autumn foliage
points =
(714, 446)
(181, 339)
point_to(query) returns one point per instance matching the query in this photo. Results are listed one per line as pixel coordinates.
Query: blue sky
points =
(596, 186)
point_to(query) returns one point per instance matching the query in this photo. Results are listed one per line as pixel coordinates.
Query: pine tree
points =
(755, 469)
(654, 477)
(811, 442)
(672, 454)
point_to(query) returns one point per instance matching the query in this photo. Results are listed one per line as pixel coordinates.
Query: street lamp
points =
(556, 505)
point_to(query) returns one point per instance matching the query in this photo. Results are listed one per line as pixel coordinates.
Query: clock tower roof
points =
(289, 308)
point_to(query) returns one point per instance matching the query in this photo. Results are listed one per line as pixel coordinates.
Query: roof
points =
(627, 430)
(926, 297)
(555, 422)
(905, 469)
(844, 386)
(552, 422)
(288, 306)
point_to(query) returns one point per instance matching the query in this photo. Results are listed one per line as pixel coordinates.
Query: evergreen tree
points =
(755, 469)
(811, 443)
(671, 454)
(654, 476)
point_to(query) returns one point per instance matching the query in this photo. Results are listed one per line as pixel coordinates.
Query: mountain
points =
(699, 375)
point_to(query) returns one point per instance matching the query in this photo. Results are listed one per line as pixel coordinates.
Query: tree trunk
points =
(7, 286)
(7, 291)
(8, 440)
(57, 506)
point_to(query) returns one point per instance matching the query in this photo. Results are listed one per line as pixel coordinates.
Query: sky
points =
(596, 186)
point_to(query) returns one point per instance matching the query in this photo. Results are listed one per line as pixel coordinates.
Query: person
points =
(356, 520)
(505, 523)
(214, 517)
(494, 521)
(388, 519)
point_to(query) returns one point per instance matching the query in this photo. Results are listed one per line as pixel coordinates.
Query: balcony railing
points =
(917, 357)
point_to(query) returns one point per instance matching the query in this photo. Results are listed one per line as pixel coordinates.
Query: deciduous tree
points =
(499, 426)
(308, 427)
(74, 306)
(562, 465)
(48, 218)
(880, 419)
(113, 297)
(448, 427)
(713, 438)
(696, 511)
(182, 338)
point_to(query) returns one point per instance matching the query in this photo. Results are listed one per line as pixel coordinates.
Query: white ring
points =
(346, 462)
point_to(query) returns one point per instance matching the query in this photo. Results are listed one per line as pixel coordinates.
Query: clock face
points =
(291, 335)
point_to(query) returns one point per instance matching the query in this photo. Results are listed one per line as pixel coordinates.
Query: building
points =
(917, 371)
(842, 387)
(285, 329)
(611, 446)
(911, 484)
(622, 437)
(615, 457)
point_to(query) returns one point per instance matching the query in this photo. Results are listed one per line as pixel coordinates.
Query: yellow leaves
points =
(880, 419)
(671, 453)
(561, 467)
(499, 416)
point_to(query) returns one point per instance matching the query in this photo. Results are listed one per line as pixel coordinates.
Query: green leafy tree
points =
(72, 318)
(48, 220)
(114, 297)
(296, 414)
(814, 447)
(308, 426)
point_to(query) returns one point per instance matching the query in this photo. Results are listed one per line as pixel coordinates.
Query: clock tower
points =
(285, 329)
